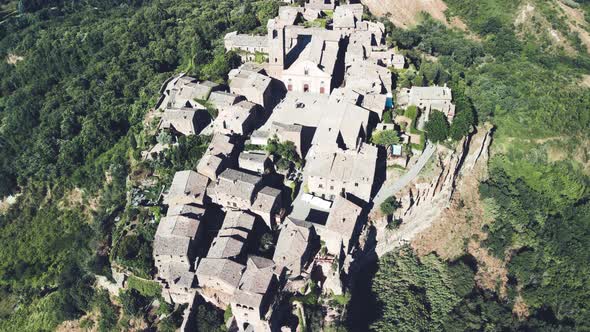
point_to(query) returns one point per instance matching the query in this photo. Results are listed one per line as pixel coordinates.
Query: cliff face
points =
(429, 202)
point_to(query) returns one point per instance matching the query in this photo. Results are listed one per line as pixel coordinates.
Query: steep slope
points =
(406, 13)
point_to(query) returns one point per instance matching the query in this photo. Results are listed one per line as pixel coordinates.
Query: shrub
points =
(386, 137)
(144, 287)
(390, 205)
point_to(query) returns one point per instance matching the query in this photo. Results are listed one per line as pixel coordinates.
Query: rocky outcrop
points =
(424, 201)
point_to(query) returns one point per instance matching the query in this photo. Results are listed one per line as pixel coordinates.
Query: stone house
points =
(182, 92)
(175, 244)
(331, 174)
(184, 121)
(219, 279)
(320, 4)
(339, 232)
(342, 126)
(267, 205)
(254, 86)
(388, 59)
(295, 247)
(187, 187)
(235, 189)
(375, 103)
(283, 132)
(232, 238)
(180, 287)
(210, 166)
(253, 300)
(253, 161)
(222, 99)
(426, 99)
(238, 119)
(247, 46)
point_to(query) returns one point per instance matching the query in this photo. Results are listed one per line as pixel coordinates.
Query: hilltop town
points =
(300, 143)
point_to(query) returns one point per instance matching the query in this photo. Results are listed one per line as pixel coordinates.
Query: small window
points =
(331, 187)
(306, 71)
(305, 87)
(322, 90)
(290, 87)
(320, 186)
(356, 184)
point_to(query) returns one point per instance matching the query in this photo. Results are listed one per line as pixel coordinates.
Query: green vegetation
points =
(317, 23)
(389, 205)
(284, 152)
(144, 287)
(388, 116)
(71, 135)
(539, 203)
(414, 294)
(227, 314)
(437, 126)
(386, 138)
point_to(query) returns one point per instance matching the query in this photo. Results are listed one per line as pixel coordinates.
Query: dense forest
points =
(531, 91)
(80, 76)
(71, 109)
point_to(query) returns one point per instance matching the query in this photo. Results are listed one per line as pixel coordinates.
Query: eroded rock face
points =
(425, 200)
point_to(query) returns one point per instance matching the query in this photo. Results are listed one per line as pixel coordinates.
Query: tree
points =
(437, 126)
(462, 124)
(387, 116)
(390, 205)
(386, 138)
(413, 294)
(164, 137)
(133, 302)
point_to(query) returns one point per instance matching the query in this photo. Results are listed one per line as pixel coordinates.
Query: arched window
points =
(305, 87)
(275, 34)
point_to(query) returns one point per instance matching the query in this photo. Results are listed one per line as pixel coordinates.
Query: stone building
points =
(267, 205)
(426, 99)
(341, 227)
(254, 86)
(187, 187)
(252, 303)
(247, 46)
(235, 189)
(331, 174)
(175, 244)
(238, 119)
(256, 162)
(222, 99)
(184, 121)
(219, 279)
(295, 247)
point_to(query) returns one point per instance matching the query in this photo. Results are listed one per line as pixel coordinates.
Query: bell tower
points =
(276, 48)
